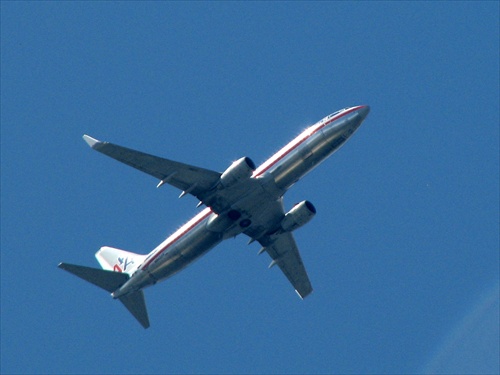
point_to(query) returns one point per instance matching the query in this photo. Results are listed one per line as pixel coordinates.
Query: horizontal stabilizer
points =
(136, 304)
(111, 281)
(107, 280)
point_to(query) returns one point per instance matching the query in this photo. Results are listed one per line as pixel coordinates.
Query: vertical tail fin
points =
(119, 260)
(111, 281)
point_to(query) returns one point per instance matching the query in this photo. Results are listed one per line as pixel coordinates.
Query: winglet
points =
(90, 141)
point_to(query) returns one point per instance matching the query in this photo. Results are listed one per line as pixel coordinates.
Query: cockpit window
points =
(336, 113)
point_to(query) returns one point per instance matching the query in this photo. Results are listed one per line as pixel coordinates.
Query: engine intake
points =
(240, 170)
(299, 215)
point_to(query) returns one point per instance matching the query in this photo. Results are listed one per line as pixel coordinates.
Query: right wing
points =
(285, 253)
(190, 179)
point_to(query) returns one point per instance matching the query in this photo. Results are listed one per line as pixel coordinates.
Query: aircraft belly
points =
(184, 252)
(299, 163)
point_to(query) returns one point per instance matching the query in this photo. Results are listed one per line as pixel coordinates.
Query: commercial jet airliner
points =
(242, 199)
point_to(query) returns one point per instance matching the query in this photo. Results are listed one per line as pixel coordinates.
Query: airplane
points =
(242, 199)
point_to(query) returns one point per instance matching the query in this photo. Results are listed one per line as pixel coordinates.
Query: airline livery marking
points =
(246, 200)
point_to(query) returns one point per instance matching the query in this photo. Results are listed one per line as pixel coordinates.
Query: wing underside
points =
(285, 254)
(188, 178)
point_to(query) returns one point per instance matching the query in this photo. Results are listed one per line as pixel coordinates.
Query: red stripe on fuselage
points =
(207, 214)
(260, 173)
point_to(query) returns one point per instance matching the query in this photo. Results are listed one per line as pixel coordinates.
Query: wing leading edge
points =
(188, 178)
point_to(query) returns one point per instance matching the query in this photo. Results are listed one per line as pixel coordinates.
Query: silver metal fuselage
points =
(274, 178)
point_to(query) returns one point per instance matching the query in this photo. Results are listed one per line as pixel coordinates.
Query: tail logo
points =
(122, 265)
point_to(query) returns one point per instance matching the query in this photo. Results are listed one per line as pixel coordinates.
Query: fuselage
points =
(273, 178)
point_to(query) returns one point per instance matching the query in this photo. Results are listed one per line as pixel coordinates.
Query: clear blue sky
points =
(403, 253)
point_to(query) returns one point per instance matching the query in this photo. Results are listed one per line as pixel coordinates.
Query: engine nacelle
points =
(299, 215)
(240, 170)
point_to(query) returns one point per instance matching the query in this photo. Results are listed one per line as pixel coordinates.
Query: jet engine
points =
(240, 169)
(299, 215)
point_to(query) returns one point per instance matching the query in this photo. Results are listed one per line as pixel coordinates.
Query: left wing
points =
(285, 254)
(190, 179)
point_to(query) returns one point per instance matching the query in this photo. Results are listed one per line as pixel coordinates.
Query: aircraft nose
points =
(363, 111)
